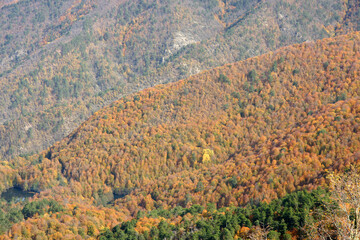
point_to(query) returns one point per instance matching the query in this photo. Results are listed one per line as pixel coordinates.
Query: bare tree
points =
(259, 233)
(341, 217)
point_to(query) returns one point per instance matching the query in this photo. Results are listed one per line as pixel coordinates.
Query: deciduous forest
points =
(246, 150)
(179, 119)
(63, 60)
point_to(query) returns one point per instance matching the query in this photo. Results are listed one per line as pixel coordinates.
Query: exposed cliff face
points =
(63, 60)
(180, 40)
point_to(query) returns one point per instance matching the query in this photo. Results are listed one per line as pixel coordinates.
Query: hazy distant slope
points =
(61, 65)
(351, 19)
(250, 130)
(63, 60)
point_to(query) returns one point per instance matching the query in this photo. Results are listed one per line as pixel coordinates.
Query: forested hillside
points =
(247, 132)
(63, 60)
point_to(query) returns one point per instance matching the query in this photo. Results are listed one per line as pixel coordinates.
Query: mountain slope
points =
(282, 119)
(62, 60)
(247, 132)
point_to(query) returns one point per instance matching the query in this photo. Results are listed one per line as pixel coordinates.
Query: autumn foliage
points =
(250, 131)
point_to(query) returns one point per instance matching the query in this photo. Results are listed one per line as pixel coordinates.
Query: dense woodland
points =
(244, 134)
(277, 219)
(62, 60)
